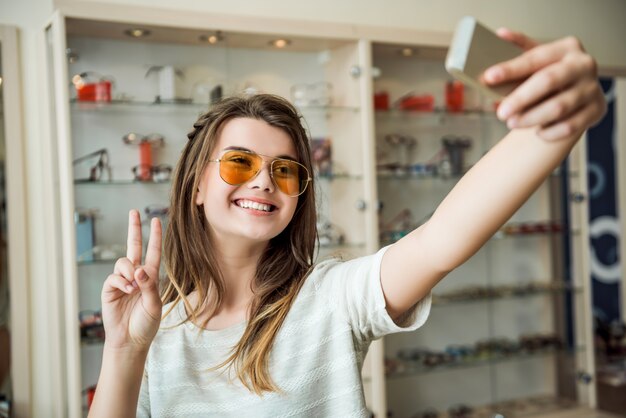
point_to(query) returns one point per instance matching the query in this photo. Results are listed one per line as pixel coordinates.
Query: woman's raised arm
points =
(559, 99)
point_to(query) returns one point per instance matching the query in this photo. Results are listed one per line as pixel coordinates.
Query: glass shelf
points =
(89, 342)
(346, 246)
(413, 371)
(498, 236)
(404, 176)
(325, 177)
(497, 293)
(436, 114)
(126, 105)
(97, 261)
(329, 247)
(131, 182)
(415, 177)
(537, 406)
(127, 182)
(341, 176)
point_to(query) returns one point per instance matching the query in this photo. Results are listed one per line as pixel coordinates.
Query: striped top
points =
(316, 359)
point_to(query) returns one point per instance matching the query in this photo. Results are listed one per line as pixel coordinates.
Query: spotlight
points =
(280, 43)
(137, 32)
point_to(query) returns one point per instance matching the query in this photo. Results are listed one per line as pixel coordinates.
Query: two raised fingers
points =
(146, 276)
(134, 244)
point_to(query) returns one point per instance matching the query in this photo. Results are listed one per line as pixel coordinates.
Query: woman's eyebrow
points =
(238, 148)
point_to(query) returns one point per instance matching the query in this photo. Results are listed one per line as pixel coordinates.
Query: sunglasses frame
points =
(271, 163)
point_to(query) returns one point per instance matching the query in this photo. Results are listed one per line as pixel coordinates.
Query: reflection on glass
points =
(5, 381)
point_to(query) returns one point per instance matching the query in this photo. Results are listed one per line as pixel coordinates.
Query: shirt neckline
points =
(235, 329)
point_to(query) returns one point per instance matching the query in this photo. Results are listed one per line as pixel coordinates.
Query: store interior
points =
(533, 325)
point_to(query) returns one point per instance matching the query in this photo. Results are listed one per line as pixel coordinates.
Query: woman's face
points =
(228, 208)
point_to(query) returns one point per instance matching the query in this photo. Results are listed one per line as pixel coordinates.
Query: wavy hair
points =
(190, 260)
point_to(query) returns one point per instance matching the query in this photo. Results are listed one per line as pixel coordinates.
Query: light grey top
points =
(316, 359)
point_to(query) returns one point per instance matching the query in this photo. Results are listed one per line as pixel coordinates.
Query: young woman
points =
(251, 327)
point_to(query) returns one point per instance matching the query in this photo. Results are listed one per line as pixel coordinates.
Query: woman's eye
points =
(284, 171)
(240, 160)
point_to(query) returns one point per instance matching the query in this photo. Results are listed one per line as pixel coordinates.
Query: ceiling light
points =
(407, 52)
(280, 43)
(137, 32)
(212, 39)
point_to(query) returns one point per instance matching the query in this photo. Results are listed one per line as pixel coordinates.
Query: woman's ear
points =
(199, 196)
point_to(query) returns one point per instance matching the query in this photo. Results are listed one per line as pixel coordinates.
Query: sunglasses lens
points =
(238, 167)
(290, 177)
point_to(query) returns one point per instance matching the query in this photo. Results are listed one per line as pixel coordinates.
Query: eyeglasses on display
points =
(156, 173)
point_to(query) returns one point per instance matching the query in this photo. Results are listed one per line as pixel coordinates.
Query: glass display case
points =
(134, 92)
(500, 340)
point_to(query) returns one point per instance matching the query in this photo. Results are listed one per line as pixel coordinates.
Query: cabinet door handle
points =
(355, 71)
(584, 377)
(577, 197)
(360, 205)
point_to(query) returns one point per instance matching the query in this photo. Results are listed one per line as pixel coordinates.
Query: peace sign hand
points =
(131, 305)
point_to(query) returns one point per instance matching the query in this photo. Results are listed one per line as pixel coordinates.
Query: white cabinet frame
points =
(16, 222)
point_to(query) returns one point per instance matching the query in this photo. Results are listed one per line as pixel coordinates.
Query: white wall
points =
(599, 23)
(30, 17)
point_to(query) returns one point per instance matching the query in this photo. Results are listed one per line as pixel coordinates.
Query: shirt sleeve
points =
(355, 287)
(143, 405)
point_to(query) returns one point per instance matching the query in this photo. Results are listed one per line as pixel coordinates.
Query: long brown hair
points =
(191, 262)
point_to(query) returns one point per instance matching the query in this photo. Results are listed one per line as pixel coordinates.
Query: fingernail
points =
(502, 31)
(494, 74)
(134, 284)
(512, 123)
(142, 275)
(504, 110)
(129, 288)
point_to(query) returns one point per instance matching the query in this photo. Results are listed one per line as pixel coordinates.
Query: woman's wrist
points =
(129, 351)
(119, 382)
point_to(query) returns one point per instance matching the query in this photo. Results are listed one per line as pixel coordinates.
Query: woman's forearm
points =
(118, 386)
(490, 193)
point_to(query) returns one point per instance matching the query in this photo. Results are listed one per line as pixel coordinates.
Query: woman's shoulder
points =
(344, 264)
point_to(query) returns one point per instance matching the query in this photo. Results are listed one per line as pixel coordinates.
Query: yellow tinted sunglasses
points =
(240, 166)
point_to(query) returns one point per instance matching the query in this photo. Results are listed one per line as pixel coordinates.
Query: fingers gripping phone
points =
(475, 48)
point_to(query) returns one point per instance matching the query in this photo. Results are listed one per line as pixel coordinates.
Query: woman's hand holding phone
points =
(131, 304)
(560, 95)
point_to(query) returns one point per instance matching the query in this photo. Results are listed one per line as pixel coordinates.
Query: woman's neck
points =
(238, 263)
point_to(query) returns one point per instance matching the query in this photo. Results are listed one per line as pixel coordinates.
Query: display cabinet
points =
(132, 93)
(507, 332)
(126, 86)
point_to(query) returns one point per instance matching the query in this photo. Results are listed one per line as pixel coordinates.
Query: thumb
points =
(149, 292)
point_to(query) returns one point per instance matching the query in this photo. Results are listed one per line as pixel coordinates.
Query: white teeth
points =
(248, 204)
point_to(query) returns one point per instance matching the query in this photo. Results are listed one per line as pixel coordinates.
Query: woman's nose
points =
(263, 180)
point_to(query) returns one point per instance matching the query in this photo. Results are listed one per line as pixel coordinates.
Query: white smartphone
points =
(475, 48)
